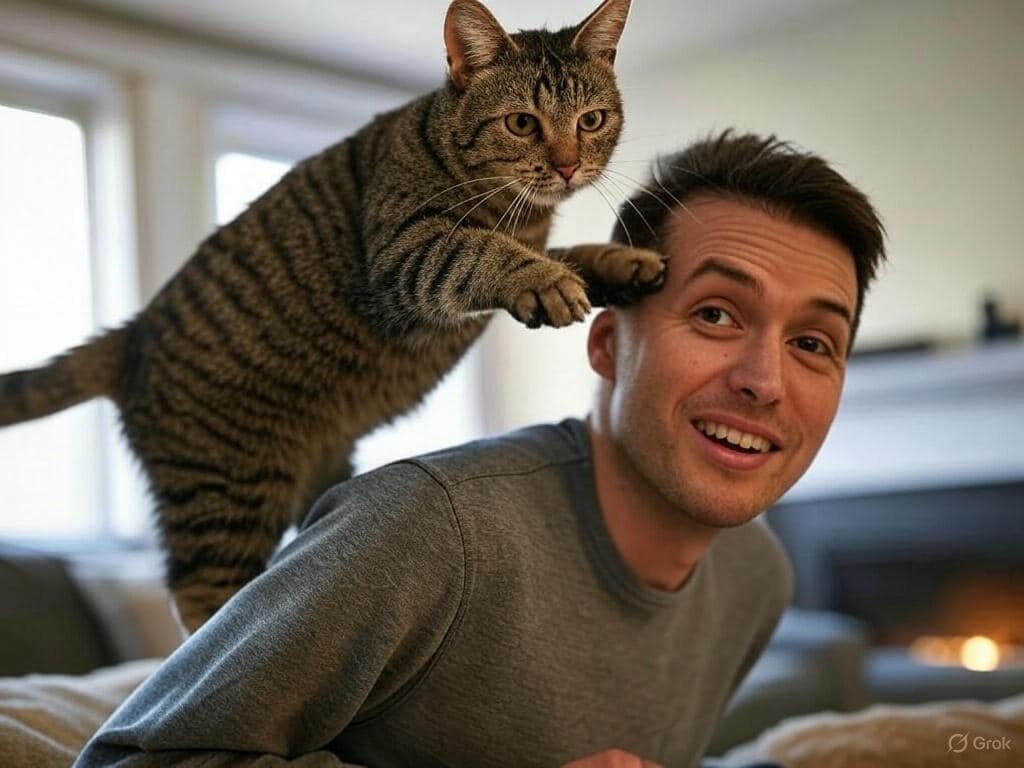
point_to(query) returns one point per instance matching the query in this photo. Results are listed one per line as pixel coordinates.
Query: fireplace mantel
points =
(924, 421)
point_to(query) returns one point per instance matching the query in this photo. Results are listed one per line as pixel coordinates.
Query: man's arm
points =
(335, 631)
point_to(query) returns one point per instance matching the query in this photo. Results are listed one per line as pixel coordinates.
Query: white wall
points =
(919, 102)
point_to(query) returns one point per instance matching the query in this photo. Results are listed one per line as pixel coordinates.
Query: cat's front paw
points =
(628, 274)
(559, 303)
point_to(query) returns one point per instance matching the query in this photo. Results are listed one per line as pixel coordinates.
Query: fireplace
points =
(908, 600)
(926, 571)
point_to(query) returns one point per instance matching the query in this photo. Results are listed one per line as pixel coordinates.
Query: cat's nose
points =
(566, 171)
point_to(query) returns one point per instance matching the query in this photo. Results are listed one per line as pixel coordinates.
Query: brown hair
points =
(771, 173)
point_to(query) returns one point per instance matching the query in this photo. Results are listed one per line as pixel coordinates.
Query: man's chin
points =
(723, 519)
(727, 499)
(721, 510)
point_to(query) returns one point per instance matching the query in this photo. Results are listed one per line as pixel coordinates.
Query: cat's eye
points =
(521, 123)
(592, 120)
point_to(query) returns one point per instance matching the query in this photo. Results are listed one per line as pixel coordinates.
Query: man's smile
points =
(733, 444)
(745, 442)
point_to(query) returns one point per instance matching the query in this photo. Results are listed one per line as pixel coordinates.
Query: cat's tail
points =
(82, 373)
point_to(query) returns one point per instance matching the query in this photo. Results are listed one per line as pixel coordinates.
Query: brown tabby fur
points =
(347, 291)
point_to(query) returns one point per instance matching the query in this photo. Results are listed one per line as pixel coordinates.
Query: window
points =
(67, 268)
(53, 469)
(451, 414)
(241, 178)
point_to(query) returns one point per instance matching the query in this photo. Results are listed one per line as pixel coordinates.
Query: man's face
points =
(747, 339)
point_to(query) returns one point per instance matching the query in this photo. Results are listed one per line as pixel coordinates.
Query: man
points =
(584, 594)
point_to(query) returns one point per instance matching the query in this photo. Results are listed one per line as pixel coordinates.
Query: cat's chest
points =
(534, 234)
(397, 375)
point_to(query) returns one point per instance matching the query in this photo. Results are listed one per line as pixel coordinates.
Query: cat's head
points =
(537, 106)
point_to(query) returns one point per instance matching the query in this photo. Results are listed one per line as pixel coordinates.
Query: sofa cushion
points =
(48, 627)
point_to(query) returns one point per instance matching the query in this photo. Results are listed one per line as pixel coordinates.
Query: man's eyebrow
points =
(835, 307)
(747, 280)
(716, 267)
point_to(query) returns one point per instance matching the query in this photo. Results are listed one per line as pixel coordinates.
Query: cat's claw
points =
(632, 273)
(558, 305)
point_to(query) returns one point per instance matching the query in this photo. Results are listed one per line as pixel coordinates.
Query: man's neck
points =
(659, 543)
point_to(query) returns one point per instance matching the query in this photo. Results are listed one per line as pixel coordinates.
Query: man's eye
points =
(716, 316)
(813, 345)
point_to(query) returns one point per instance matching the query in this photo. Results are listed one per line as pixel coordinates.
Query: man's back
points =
(464, 608)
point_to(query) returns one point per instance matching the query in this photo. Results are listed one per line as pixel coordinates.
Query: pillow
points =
(955, 734)
(48, 625)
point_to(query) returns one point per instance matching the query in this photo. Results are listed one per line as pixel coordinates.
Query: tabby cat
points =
(339, 298)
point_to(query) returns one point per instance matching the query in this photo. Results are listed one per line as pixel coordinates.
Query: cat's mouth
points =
(549, 198)
(552, 193)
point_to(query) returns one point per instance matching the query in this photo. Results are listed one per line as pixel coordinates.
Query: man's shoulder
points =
(407, 487)
(522, 452)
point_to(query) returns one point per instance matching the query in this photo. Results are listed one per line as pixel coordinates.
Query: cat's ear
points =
(598, 34)
(473, 39)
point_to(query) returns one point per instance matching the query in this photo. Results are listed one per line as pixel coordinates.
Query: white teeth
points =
(734, 436)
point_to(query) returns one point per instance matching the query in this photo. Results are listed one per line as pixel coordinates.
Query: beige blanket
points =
(45, 720)
(956, 734)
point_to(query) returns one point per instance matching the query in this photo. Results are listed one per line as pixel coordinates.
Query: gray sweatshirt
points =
(467, 608)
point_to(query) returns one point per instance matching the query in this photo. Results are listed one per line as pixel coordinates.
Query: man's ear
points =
(599, 33)
(473, 39)
(601, 344)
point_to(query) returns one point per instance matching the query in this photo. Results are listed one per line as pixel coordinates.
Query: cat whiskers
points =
(528, 192)
(619, 186)
(600, 191)
(527, 205)
(641, 187)
(456, 186)
(485, 194)
(509, 208)
(648, 191)
(480, 202)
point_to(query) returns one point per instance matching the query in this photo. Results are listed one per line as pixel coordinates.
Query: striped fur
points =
(345, 293)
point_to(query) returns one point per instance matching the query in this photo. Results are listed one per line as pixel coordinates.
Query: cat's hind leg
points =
(215, 550)
(219, 530)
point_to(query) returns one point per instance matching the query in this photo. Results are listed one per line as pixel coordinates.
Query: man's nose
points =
(758, 375)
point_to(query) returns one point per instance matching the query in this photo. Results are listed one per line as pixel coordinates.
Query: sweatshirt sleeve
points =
(342, 624)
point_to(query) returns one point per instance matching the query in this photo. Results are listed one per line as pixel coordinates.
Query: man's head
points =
(770, 253)
(766, 173)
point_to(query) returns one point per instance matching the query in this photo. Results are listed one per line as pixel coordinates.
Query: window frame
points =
(235, 124)
(95, 101)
